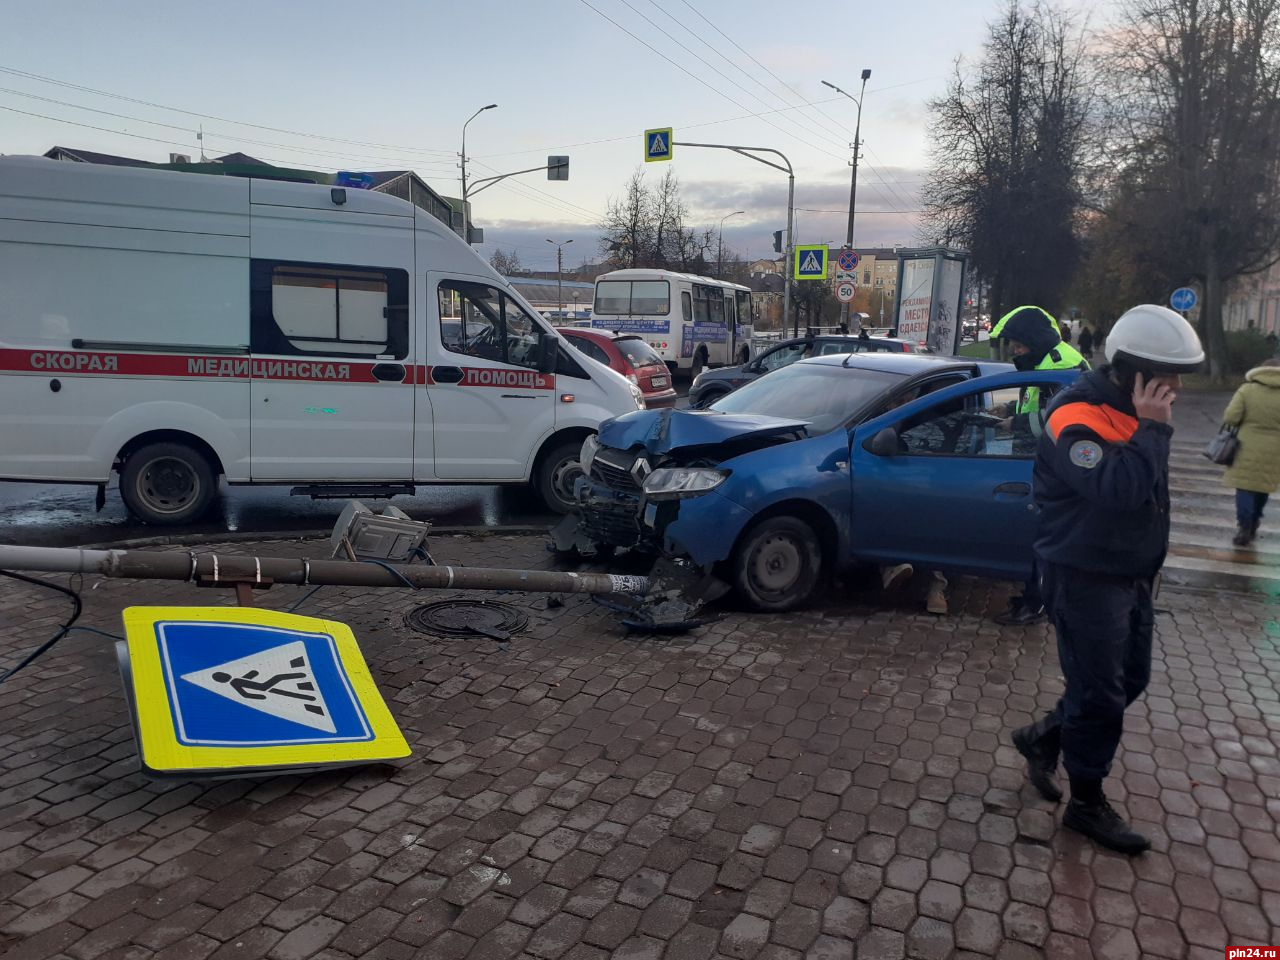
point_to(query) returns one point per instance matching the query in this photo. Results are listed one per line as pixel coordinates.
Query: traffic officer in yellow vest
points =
(1034, 340)
(1102, 485)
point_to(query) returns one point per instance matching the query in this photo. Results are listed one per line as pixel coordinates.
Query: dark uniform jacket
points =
(1101, 483)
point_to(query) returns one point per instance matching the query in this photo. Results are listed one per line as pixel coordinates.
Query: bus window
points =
(686, 306)
(745, 313)
(625, 298)
(708, 304)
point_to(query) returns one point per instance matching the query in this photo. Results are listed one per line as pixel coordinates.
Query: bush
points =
(1247, 349)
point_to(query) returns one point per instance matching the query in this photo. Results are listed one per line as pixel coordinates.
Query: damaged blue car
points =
(828, 463)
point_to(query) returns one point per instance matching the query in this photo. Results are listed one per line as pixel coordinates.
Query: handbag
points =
(1224, 447)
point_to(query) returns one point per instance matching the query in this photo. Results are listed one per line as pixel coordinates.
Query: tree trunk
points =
(1211, 318)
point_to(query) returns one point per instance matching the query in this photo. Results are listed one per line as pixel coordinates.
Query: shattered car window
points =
(824, 396)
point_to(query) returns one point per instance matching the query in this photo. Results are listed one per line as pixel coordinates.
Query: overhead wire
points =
(222, 135)
(210, 116)
(705, 83)
(820, 133)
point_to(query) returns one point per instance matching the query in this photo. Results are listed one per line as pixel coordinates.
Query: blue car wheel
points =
(778, 565)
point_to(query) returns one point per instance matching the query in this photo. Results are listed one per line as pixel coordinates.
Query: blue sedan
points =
(828, 463)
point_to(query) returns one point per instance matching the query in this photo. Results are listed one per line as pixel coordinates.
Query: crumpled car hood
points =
(662, 431)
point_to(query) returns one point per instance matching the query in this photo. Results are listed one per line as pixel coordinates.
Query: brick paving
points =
(832, 784)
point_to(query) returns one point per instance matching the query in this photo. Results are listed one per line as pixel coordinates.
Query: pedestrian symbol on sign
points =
(278, 681)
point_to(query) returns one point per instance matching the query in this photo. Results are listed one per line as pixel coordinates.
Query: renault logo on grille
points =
(640, 469)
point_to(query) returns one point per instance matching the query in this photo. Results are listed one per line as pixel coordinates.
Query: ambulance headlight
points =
(590, 447)
(637, 396)
(673, 483)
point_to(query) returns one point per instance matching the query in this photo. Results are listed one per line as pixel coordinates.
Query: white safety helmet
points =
(1154, 339)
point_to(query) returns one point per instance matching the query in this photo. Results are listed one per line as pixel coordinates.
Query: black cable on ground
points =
(65, 629)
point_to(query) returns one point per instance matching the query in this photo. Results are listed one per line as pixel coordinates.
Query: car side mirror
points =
(884, 443)
(549, 357)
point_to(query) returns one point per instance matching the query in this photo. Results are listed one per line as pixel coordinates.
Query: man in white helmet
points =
(1102, 487)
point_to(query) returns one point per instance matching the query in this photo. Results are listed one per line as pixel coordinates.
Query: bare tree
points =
(506, 263)
(1197, 109)
(1010, 140)
(647, 228)
(628, 226)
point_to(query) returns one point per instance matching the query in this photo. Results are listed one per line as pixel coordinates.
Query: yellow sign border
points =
(826, 261)
(157, 739)
(671, 147)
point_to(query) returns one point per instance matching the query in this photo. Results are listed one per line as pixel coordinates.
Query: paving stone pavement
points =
(832, 784)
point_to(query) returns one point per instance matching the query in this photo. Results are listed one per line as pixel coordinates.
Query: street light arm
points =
(490, 181)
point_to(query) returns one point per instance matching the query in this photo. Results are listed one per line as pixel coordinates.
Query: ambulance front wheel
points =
(557, 472)
(167, 484)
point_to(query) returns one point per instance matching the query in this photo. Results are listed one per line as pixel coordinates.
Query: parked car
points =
(830, 462)
(632, 357)
(711, 385)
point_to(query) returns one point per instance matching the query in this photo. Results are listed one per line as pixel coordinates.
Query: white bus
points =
(692, 322)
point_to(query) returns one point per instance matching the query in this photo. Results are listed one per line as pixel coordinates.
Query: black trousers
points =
(1104, 626)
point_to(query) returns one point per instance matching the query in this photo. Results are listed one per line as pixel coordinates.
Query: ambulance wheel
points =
(167, 483)
(557, 472)
(778, 565)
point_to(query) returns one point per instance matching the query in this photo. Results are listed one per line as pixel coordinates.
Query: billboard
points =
(930, 297)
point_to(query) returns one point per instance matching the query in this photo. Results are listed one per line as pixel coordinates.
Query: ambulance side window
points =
(481, 321)
(329, 310)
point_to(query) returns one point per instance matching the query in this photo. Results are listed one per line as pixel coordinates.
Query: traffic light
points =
(777, 241)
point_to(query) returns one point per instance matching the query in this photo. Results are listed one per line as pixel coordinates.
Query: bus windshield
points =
(631, 298)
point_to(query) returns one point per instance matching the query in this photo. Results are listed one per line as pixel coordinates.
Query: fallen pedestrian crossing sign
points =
(236, 691)
(811, 261)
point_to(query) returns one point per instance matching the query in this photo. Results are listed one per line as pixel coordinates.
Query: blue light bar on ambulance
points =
(357, 181)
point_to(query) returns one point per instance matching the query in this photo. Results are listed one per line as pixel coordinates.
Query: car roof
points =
(906, 364)
(600, 336)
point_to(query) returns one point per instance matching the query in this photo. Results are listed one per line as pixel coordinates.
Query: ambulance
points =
(177, 328)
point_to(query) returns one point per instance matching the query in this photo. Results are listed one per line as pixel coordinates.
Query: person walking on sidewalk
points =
(1034, 340)
(1255, 472)
(1101, 482)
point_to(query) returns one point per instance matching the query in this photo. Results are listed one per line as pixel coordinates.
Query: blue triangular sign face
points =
(810, 264)
(658, 145)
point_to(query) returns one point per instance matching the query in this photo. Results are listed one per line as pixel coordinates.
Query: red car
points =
(631, 357)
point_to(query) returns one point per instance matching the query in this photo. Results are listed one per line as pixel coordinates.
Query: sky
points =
(388, 85)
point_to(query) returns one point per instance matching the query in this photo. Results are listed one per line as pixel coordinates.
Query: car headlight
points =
(672, 483)
(590, 447)
(637, 396)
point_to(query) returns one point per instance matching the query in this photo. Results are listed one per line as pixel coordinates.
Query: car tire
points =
(708, 397)
(557, 471)
(167, 484)
(778, 565)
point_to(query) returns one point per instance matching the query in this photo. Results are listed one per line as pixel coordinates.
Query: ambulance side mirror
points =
(549, 356)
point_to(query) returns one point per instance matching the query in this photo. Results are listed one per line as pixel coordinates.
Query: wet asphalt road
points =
(56, 515)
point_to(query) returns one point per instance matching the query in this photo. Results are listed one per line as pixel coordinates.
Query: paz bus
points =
(692, 322)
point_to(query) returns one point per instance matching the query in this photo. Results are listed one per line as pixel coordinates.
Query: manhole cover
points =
(466, 618)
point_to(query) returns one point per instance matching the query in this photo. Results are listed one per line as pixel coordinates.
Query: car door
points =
(784, 355)
(490, 406)
(945, 481)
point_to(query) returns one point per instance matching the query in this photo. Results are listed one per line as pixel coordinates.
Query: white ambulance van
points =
(179, 327)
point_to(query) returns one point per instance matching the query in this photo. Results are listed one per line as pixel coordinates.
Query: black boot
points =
(1243, 536)
(1042, 762)
(1089, 813)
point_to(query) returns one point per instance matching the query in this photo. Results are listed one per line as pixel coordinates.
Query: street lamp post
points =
(576, 295)
(853, 184)
(720, 245)
(466, 225)
(560, 273)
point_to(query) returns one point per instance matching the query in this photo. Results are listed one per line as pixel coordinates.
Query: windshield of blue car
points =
(823, 395)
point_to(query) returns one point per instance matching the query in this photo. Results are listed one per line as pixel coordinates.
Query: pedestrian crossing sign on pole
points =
(658, 145)
(811, 262)
(235, 691)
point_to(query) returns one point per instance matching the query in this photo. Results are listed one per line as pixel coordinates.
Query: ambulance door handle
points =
(392, 372)
(446, 374)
